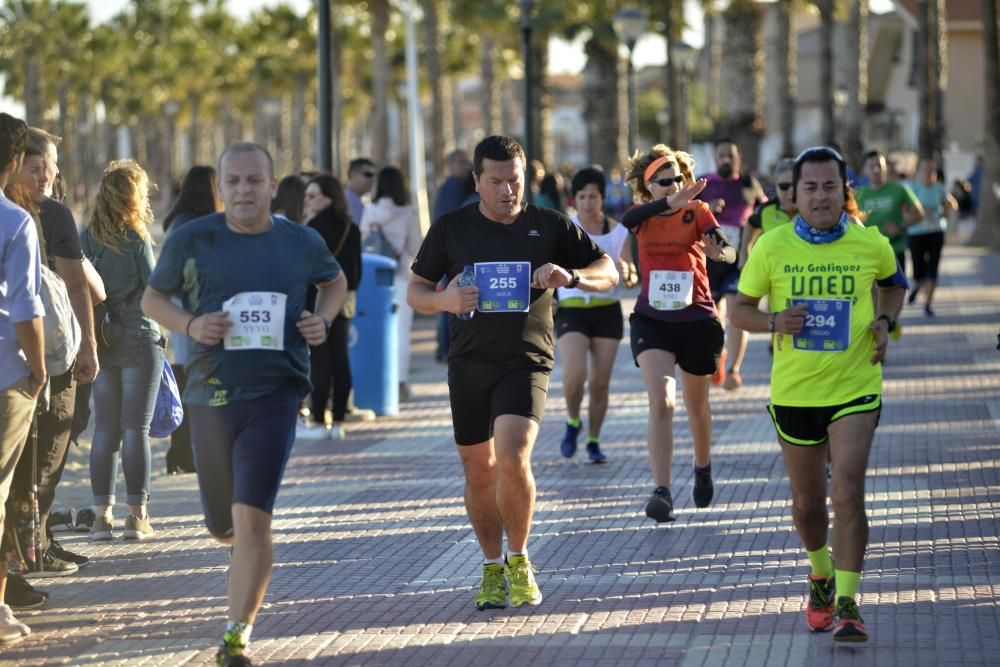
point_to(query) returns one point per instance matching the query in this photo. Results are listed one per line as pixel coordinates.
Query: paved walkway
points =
(376, 563)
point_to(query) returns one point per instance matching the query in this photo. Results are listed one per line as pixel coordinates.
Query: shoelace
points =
(519, 572)
(492, 579)
(848, 611)
(820, 592)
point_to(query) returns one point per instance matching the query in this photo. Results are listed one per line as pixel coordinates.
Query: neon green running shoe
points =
(521, 577)
(492, 591)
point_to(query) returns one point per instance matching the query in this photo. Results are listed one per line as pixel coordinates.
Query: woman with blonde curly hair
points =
(119, 244)
(675, 322)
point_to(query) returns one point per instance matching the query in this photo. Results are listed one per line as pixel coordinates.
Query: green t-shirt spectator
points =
(886, 205)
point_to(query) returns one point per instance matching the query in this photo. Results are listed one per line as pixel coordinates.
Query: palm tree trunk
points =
(195, 153)
(931, 65)
(787, 71)
(606, 136)
(673, 90)
(432, 57)
(380, 82)
(857, 82)
(298, 128)
(713, 49)
(743, 78)
(492, 109)
(66, 131)
(987, 231)
(34, 109)
(542, 95)
(827, 127)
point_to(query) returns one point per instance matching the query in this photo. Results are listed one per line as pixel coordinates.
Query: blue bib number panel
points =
(827, 327)
(504, 287)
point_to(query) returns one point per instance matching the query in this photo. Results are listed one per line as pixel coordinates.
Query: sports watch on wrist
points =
(574, 278)
(889, 321)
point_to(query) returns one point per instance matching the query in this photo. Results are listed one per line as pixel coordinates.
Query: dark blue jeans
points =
(123, 408)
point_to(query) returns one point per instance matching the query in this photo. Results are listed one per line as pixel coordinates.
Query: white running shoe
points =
(9, 625)
(311, 432)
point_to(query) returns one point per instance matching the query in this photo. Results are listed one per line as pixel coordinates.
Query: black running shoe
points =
(850, 626)
(20, 595)
(84, 520)
(704, 490)
(597, 457)
(660, 506)
(62, 553)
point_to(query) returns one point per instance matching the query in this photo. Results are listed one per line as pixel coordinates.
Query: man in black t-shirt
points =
(500, 359)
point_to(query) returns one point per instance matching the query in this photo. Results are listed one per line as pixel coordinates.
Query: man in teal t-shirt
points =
(889, 205)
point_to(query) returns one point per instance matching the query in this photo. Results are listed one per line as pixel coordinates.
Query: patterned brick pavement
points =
(376, 563)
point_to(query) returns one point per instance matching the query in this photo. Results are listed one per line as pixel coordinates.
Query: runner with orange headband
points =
(675, 321)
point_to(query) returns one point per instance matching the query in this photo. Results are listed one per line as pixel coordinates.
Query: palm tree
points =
(381, 76)
(605, 105)
(787, 71)
(713, 59)
(857, 82)
(987, 231)
(441, 126)
(931, 64)
(743, 77)
(827, 27)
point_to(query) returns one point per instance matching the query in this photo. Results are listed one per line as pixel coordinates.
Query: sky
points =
(569, 58)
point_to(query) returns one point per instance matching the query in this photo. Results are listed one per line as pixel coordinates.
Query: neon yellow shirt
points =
(784, 267)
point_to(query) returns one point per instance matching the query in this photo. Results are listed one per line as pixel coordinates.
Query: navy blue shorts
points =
(240, 452)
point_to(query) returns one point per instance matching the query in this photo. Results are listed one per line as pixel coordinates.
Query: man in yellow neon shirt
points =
(826, 382)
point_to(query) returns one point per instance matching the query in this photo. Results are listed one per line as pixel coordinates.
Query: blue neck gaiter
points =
(820, 236)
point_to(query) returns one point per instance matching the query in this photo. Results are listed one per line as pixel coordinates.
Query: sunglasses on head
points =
(667, 182)
(784, 186)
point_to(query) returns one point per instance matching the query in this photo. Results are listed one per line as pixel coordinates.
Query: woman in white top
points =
(390, 212)
(588, 323)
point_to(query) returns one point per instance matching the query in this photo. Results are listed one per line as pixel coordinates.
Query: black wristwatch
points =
(574, 278)
(888, 320)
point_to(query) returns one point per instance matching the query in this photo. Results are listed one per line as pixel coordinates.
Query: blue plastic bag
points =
(168, 412)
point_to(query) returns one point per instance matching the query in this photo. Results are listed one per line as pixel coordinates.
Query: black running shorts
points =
(696, 344)
(598, 322)
(481, 391)
(808, 426)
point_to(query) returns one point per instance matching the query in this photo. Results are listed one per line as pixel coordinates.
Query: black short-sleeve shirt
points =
(59, 229)
(466, 236)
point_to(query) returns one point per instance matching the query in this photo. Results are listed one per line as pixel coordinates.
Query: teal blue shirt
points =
(206, 263)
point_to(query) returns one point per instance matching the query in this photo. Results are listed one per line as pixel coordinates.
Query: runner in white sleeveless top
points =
(589, 322)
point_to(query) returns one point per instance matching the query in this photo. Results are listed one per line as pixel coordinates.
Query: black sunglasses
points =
(667, 182)
(784, 186)
(368, 174)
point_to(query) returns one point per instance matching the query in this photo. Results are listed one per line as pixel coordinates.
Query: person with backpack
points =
(130, 347)
(394, 219)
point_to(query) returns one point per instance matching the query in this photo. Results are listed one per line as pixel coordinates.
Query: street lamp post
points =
(629, 25)
(527, 9)
(685, 56)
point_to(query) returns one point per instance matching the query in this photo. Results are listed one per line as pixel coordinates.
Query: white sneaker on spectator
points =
(359, 415)
(9, 625)
(311, 432)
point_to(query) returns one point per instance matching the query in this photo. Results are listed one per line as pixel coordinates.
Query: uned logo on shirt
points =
(688, 217)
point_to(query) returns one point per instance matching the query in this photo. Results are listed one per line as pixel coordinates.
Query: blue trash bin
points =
(374, 337)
